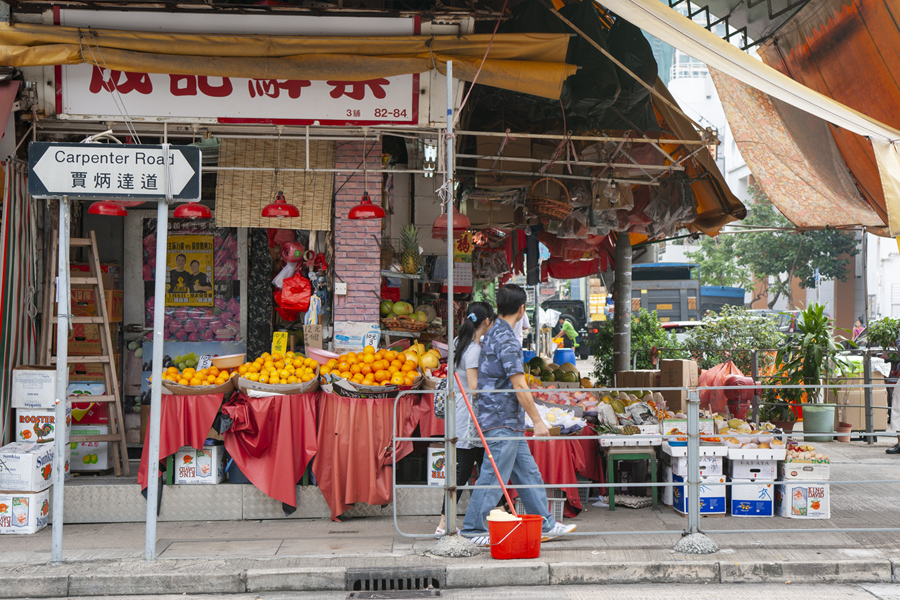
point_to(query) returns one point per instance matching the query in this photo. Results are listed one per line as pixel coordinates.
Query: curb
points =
(71, 579)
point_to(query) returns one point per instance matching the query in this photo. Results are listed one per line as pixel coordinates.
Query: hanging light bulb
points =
(366, 210)
(280, 208)
(192, 211)
(107, 208)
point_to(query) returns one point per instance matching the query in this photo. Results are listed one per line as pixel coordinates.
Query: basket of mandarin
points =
(372, 373)
(191, 382)
(290, 373)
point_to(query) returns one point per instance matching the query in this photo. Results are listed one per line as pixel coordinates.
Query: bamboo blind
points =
(241, 195)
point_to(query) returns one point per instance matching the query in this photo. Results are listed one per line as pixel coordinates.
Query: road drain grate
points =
(394, 579)
(395, 595)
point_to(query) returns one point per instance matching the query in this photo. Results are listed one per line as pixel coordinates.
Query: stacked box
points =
(26, 466)
(33, 386)
(203, 466)
(640, 379)
(710, 466)
(677, 374)
(24, 512)
(796, 497)
(39, 425)
(90, 456)
(753, 498)
(712, 495)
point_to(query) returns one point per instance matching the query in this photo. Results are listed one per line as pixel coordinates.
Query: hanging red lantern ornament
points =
(107, 208)
(192, 211)
(461, 223)
(280, 208)
(366, 210)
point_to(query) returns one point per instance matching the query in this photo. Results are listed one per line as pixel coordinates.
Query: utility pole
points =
(622, 313)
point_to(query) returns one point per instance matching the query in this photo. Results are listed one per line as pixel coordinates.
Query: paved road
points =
(615, 592)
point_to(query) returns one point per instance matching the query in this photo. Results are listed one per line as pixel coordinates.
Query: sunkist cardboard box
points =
(26, 466)
(203, 466)
(677, 373)
(24, 512)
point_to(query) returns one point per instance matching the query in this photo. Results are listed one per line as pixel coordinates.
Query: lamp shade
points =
(460, 224)
(107, 208)
(280, 208)
(192, 211)
(366, 210)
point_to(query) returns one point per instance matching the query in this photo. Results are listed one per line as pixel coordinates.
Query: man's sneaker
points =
(482, 541)
(558, 530)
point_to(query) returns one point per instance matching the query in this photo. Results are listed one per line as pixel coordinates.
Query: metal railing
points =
(693, 453)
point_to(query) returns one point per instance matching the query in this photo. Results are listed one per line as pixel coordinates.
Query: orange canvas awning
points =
(526, 63)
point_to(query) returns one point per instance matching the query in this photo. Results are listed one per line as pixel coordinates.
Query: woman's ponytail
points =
(478, 313)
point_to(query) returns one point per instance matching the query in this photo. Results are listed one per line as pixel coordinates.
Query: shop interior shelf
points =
(404, 334)
(400, 275)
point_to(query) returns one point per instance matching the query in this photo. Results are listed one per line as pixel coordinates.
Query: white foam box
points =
(204, 466)
(710, 466)
(801, 500)
(753, 469)
(707, 426)
(90, 456)
(33, 386)
(26, 466)
(712, 495)
(23, 512)
(667, 496)
(805, 470)
(39, 425)
(752, 498)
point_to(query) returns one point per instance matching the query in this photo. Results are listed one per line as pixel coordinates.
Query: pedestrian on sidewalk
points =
(467, 355)
(893, 382)
(502, 415)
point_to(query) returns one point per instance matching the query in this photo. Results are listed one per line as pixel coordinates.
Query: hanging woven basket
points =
(549, 199)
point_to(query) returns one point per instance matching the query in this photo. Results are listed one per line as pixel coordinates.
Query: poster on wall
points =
(202, 291)
(189, 261)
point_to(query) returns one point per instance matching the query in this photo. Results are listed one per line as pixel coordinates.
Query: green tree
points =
(646, 334)
(774, 256)
(718, 263)
(732, 334)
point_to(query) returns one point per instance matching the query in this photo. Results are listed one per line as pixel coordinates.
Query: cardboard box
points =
(90, 413)
(805, 470)
(33, 386)
(641, 379)
(766, 470)
(84, 339)
(799, 500)
(88, 372)
(23, 513)
(204, 466)
(851, 403)
(39, 425)
(712, 495)
(756, 499)
(90, 456)
(710, 466)
(84, 304)
(26, 466)
(677, 373)
(109, 272)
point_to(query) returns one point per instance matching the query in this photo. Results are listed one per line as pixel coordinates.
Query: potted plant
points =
(808, 357)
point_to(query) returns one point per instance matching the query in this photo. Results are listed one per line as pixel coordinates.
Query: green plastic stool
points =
(620, 453)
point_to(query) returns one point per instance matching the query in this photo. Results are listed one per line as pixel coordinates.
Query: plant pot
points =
(845, 429)
(818, 419)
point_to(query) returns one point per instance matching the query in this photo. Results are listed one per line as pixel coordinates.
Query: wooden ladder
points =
(106, 359)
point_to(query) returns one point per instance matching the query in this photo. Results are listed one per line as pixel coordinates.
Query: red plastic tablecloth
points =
(184, 421)
(272, 440)
(562, 459)
(354, 459)
(429, 425)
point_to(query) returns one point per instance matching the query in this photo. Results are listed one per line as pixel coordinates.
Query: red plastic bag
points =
(715, 400)
(746, 388)
(294, 294)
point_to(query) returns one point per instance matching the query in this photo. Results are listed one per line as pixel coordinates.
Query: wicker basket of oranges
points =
(373, 371)
(281, 374)
(192, 382)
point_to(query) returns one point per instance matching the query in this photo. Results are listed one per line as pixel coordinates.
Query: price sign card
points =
(279, 342)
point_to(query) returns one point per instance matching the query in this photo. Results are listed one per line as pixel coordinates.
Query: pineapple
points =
(409, 258)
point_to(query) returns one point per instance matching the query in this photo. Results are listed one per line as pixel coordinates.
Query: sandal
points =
(442, 531)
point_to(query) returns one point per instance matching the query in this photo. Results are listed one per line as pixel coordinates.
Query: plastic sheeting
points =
(272, 440)
(527, 63)
(184, 421)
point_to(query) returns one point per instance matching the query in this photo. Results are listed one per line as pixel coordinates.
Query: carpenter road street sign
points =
(112, 171)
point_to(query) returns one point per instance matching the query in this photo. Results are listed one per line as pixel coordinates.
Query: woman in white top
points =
(467, 353)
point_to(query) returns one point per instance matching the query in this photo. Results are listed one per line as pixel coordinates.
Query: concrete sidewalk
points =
(221, 557)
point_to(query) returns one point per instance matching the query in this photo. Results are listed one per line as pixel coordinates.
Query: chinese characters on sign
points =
(189, 262)
(91, 90)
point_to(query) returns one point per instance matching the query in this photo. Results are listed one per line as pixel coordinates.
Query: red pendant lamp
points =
(107, 208)
(366, 210)
(192, 211)
(460, 224)
(280, 208)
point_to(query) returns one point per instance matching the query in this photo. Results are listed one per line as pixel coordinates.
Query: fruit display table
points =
(272, 440)
(562, 460)
(354, 448)
(184, 421)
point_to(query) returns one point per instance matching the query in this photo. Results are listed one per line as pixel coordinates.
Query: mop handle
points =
(487, 449)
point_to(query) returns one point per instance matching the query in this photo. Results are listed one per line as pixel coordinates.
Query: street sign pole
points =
(63, 304)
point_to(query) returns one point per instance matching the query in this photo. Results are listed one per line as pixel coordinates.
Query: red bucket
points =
(516, 539)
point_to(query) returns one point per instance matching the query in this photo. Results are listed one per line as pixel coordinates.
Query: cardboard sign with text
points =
(312, 336)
